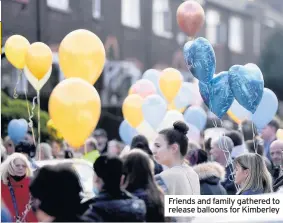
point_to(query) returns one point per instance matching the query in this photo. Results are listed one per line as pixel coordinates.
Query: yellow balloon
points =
(279, 134)
(82, 54)
(170, 82)
(16, 48)
(233, 117)
(39, 59)
(52, 130)
(132, 110)
(75, 108)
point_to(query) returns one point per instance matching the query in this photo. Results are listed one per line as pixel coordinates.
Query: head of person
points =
(248, 129)
(276, 153)
(56, 148)
(68, 154)
(141, 142)
(9, 145)
(221, 148)
(26, 148)
(44, 152)
(16, 166)
(268, 133)
(197, 156)
(114, 148)
(171, 145)
(236, 137)
(101, 137)
(57, 192)
(251, 173)
(108, 171)
(90, 145)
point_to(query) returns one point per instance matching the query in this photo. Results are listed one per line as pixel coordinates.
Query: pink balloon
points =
(143, 88)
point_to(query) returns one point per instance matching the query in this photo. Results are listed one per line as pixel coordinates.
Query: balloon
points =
(238, 113)
(17, 130)
(186, 96)
(170, 83)
(169, 119)
(75, 108)
(39, 59)
(217, 95)
(172, 106)
(196, 116)
(126, 132)
(145, 129)
(37, 84)
(132, 110)
(153, 76)
(266, 109)
(279, 134)
(193, 133)
(200, 59)
(190, 17)
(143, 88)
(247, 85)
(16, 48)
(82, 54)
(154, 109)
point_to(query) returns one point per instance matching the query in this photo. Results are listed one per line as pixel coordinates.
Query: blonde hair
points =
(46, 150)
(259, 177)
(8, 166)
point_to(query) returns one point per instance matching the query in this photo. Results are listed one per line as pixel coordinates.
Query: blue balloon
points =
(217, 94)
(126, 132)
(200, 59)
(247, 85)
(17, 130)
(153, 76)
(196, 116)
(266, 110)
(154, 109)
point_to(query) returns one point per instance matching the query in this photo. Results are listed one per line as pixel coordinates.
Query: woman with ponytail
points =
(113, 204)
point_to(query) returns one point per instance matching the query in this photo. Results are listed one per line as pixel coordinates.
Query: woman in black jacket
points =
(113, 204)
(210, 175)
(139, 180)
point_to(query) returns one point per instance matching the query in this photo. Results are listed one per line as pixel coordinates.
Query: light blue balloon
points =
(266, 110)
(217, 94)
(186, 96)
(196, 116)
(17, 130)
(200, 59)
(154, 109)
(247, 85)
(126, 132)
(153, 76)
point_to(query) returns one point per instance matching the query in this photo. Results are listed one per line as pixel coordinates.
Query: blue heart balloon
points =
(247, 85)
(200, 59)
(17, 130)
(217, 94)
(126, 132)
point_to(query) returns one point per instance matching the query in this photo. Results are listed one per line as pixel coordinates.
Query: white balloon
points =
(37, 84)
(169, 119)
(193, 133)
(145, 129)
(240, 112)
(186, 96)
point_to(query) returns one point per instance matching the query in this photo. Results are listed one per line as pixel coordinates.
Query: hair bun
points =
(181, 127)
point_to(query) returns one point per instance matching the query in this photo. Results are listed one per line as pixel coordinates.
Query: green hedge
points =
(16, 109)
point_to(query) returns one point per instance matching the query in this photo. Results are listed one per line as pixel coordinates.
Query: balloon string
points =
(32, 112)
(255, 147)
(17, 83)
(38, 123)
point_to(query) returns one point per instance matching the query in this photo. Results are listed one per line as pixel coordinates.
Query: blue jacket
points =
(122, 208)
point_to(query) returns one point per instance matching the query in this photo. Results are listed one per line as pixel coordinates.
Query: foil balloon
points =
(17, 130)
(190, 17)
(126, 132)
(132, 110)
(75, 107)
(169, 119)
(266, 110)
(170, 82)
(200, 59)
(217, 95)
(196, 116)
(143, 88)
(82, 54)
(154, 109)
(16, 48)
(186, 96)
(247, 85)
(238, 113)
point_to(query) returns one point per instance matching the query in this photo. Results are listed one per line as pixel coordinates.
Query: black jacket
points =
(210, 176)
(123, 208)
(153, 212)
(228, 183)
(278, 183)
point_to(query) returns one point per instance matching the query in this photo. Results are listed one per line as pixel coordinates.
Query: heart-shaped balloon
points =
(217, 94)
(247, 85)
(200, 59)
(17, 130)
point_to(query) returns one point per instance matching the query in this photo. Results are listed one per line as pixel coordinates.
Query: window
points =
(131, 13)
(213, 26)
(59, 4)
(162, 18)
(256, 39)
(236, 34)
(96, 9)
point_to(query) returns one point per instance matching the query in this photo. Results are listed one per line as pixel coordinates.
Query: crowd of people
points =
(131, 181)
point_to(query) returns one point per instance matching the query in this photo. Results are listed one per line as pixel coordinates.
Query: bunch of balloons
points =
(156, 101)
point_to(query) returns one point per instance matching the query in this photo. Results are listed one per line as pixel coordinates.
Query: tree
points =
(271, 63)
